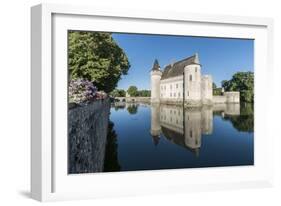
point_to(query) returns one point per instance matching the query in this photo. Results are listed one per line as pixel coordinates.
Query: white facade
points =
(186, 85)
(183, 82)
(172, 88)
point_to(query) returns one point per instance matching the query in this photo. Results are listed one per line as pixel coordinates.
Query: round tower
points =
(192, 81)
(155, 76)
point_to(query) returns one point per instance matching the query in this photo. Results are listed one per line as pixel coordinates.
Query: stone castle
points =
(182, 81)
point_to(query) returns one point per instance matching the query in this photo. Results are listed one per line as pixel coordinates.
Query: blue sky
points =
(219, 57)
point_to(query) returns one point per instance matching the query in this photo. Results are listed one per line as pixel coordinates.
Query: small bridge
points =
(133, 99)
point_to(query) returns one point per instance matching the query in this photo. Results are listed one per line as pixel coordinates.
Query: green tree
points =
(122, 93)
(217, 91)
(224, 83)
(114, 93)
(132, 91)
(242, 82)
(214, 85)
(95, 56)
(118, 93)
(144, 93)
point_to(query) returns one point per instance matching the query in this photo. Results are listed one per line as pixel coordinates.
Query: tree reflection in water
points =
(111, 163)
(245, 121)
(132, 108)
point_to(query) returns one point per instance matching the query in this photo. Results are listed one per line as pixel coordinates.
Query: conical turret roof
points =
(156, 66)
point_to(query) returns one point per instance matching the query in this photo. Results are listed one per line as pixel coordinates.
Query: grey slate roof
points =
(177, 68)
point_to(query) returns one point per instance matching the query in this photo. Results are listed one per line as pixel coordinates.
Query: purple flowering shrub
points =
(83, 91)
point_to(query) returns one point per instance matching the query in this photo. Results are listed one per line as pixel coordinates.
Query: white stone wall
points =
(232, 97)
(172, 88)
(227, 97)
(206, 88)
(192, 75)
(155, 85)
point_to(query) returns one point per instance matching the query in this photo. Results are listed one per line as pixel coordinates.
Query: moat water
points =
(149, 137)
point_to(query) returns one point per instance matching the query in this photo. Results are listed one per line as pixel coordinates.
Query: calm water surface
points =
(147, 137)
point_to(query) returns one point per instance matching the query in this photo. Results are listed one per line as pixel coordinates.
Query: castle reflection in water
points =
(185, 127)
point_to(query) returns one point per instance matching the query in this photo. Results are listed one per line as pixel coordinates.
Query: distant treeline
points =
(132, 91)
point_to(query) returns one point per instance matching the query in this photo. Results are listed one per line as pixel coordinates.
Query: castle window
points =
(176, 85)
(190, 77)
(165, 87)
(188, 93)
(170, 94)
(174, 94)
(190, 134)
(171, 86)
(179, 94)
(195, 69)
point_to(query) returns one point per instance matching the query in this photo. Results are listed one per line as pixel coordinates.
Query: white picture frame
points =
(49, 179)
